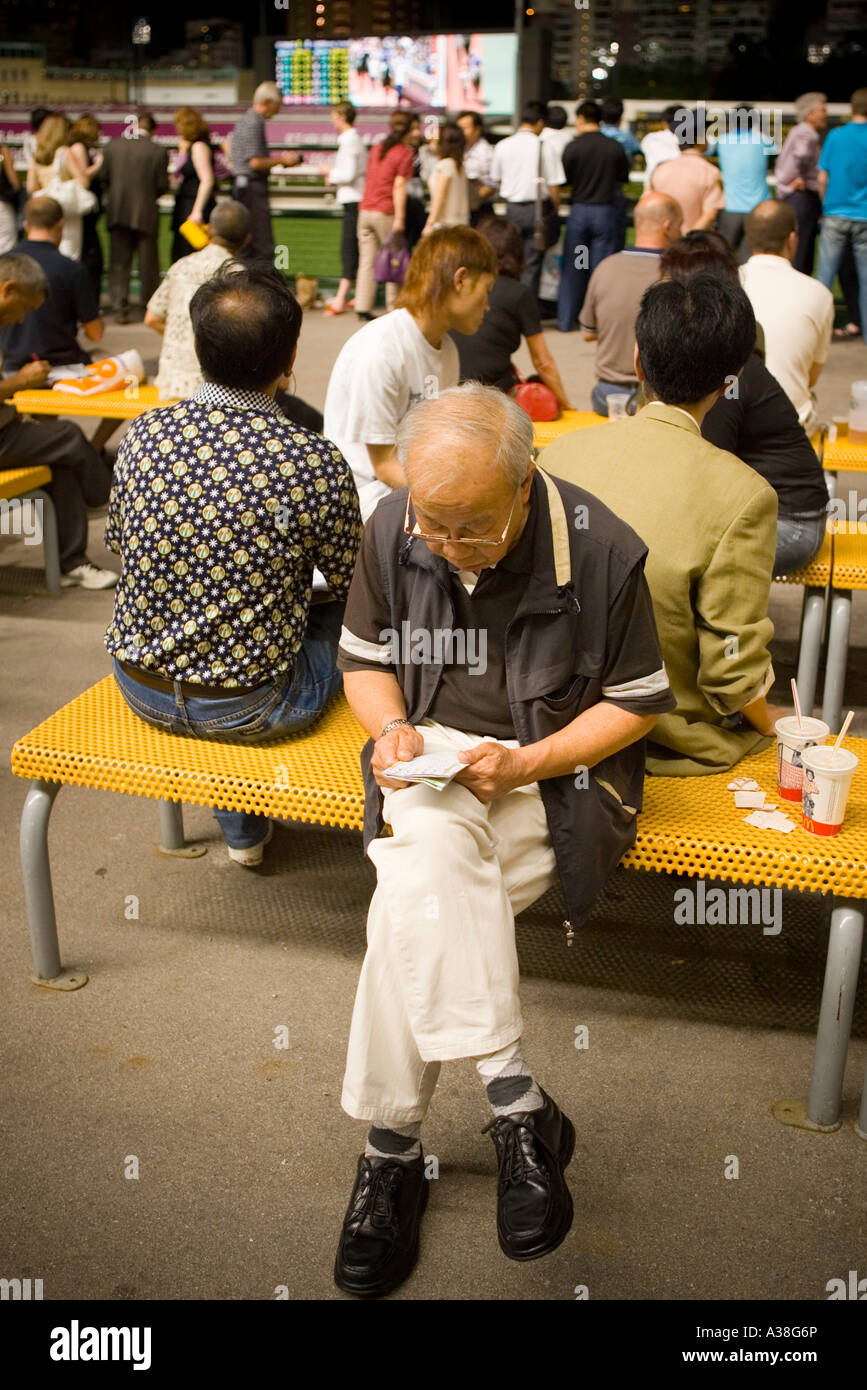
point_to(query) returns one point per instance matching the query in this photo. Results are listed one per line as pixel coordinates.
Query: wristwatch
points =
(395, 724)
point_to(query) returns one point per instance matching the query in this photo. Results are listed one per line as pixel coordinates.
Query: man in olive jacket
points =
(501, 618)
(709, 522)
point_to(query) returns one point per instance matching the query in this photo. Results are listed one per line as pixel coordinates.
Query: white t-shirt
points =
(381, 371)
(797, 315)
(350, 166)
(515, 167)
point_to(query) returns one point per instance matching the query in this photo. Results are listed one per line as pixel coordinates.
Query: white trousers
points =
(440, 977)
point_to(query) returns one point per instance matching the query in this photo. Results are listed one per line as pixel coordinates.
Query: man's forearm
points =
(596, 734)
(375, 698)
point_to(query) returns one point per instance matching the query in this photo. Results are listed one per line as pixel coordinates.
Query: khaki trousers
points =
(440, 977)
(374, 229)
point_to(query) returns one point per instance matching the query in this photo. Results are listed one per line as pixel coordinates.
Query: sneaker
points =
(251, 858)
(534, 1205)
(88, 576)
(379, 1243)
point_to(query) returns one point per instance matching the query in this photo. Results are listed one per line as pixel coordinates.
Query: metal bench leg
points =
(835, 1015)
(172, 833)
(838, 651)
(36, 870)
(50, 547)
(812, 630)
(822, 1110)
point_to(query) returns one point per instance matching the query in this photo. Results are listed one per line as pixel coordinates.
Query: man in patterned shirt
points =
(220, 509)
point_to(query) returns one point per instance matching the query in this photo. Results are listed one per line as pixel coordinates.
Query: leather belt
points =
(191, 690)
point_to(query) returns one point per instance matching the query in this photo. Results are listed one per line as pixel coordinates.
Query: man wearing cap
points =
(797, 174)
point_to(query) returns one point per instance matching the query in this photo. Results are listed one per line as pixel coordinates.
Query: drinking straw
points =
(846, 722)
(797, 701)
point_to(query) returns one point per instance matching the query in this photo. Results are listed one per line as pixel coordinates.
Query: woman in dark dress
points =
(195, 184)
(755, 420)
(513, 314)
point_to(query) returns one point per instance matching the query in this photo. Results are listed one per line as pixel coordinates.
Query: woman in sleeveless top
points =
(449, 191)
(85, 159)
(51, 161)
(195, 185)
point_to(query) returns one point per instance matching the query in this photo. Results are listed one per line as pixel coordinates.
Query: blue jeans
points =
(593, 228)
(603, 389)
(799, 537)
(836, 232)
(273, 710)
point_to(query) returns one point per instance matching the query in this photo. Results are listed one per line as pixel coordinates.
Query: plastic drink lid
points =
(820, 759)
(808, 727)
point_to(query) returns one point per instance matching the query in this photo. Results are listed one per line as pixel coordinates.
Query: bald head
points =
(772, 229)
(230, 224)
(658, 220)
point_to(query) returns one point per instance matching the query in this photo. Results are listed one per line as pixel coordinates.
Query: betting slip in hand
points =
(434, 769)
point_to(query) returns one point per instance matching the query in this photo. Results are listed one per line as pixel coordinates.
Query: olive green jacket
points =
(709, 523)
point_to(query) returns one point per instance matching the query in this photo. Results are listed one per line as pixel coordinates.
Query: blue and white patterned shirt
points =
(220, 508)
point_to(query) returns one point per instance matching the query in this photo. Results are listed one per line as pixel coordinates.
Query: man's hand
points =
(33, 375)
(797, 185)
(399, 746)
(492, 770)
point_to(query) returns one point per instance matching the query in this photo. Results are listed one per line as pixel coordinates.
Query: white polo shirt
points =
(797, 315)
(515, 167)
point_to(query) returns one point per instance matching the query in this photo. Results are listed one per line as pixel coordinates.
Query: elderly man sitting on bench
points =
(500, 617)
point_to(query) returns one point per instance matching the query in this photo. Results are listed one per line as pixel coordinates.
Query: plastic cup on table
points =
(617, 404)
(827, 779)
(792, 739)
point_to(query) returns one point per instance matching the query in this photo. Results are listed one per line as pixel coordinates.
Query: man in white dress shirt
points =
(519, 162)
(794, 310)
(346, 176)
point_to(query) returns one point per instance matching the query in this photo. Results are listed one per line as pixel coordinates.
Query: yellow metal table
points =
(110, 405)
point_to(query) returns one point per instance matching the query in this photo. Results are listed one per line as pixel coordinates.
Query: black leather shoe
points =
(534, 1205)
(379, 1242)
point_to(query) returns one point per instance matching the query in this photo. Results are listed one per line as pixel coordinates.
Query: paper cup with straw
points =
(828, 773)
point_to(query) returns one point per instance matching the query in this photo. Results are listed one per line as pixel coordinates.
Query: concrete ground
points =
(165, 1062)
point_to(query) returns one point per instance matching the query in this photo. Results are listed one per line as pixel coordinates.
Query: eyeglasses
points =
(463, 540)
(451, 540)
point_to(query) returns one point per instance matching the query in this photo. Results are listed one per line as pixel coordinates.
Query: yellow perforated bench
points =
(849, 572)
(29, 484)
(689, 826)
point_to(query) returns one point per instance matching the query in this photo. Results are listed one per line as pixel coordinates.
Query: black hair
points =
(246, 323)
(533, 112)
(478, 123)
(556, 117)
(612, 110)
(693, 335)
(38, 115)
(589, 111)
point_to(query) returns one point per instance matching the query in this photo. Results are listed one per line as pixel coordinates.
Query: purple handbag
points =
(389, 268)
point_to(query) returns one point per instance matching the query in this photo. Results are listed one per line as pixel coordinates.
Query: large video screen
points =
(446, 71)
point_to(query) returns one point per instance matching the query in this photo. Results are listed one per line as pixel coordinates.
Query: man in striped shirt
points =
(252, 164)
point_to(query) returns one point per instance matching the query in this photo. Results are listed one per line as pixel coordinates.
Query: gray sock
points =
(401, 1143)
(508, 1082)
